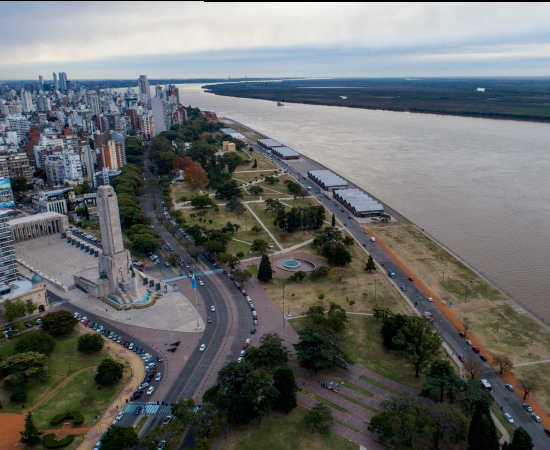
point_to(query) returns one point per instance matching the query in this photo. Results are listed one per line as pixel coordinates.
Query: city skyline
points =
(192, 40)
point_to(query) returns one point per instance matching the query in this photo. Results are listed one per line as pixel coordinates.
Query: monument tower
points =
(114, 261)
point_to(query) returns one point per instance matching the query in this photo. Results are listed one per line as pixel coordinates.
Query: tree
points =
(59, 323)
(528, 386)
(336, 254)
(229, 190)
(318, 418)
(109, 372)
(293, 188)
(119, 438)
(370, 266)
(521, 441)
(256, 190)
(31, 306)
(201, 201)
(255, 165)
(144, 243)
(22, 366)
(241, 276)
(271, 180)
(270, 352)
(379, 312)
(90, 343)
(438, 379)
(31, 435)
(285, 383)
(473, 368)
(259, 245)
(333, 221)
(195, 175)
(14, 309)
(418, 343)
(265, 272)
(35, 341)
(318, 351)
(483, 432)
(503, 361)
(256, 229)
(18, 184)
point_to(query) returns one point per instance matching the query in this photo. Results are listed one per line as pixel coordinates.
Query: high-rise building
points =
(26, 101)
(55, 82)
(63, 81)
(92, 100)
(41, 81)
(8, 268)
(112, 155)
(144, 87)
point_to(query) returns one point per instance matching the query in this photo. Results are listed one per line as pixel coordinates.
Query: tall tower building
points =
(26, 101)
(63, 81)
(41, 81)
(92, 100)
(8, 268)
(114, 262)
(55, 82)
(144, 87)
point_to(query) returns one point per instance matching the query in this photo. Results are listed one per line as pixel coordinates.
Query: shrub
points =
(19, 394)
(90, 343)
(109, 372)
(50, 441)
(319, 272)
(75, 415)
(35, 341)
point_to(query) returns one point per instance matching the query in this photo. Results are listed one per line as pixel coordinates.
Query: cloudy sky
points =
(186, 40)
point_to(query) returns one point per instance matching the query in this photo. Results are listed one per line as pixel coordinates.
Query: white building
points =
(26, 101)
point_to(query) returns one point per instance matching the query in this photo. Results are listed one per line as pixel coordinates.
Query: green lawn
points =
(63, 361)
(80, 393)
(283, 432)
(78, 439)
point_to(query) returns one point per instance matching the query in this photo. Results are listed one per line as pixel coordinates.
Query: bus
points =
(486, 384)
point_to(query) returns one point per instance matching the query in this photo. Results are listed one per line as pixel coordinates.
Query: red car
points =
(475, 349)
(547, 431)
(461, 357)
(245, 346)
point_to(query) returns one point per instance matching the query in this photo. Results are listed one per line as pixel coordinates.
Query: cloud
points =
(186, 39)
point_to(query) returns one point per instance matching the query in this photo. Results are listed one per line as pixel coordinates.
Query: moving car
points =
(508, 417)
(150, 390)
(202, 347)
(158, 377)
(167, 420)
(212, 308)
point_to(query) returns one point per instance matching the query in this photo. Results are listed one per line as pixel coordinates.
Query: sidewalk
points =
(138, 373)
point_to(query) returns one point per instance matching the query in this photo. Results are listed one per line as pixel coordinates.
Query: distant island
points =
(499, 98)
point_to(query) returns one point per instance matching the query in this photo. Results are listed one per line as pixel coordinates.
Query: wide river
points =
(480, 186)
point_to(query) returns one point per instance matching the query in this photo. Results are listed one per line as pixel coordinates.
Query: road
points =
(510, 402)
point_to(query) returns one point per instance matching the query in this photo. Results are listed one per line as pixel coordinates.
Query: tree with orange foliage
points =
(195, 175)
(182, 163)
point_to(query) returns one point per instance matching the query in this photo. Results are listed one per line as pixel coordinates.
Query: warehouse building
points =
(328, 180)
(285, 153)
(234, 134)
(358, 203)
(269, 144)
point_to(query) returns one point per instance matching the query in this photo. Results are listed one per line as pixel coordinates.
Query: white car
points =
(430, 299)
(243, 352)
(535, 417)
(202, 347)
(119, 415)
(143, 385)
(201, 282)
(248, 341)
(150, 390)
(212, 308)
(509, 418)
(158, 377)
(240, 359)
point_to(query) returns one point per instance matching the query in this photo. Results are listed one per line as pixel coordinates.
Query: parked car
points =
(143, 385)
(483, 357)
(535, 417)
(475, 349)
(159, 358)
(468, 342)
(245, 346)
(509, 387)
(248, 341)
(119, 415)
(527, 407)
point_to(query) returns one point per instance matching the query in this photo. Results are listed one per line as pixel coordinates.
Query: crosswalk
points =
(148, 408)
(58, 303)
(197, 274)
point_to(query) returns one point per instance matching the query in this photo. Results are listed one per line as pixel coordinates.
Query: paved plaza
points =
(56, 258)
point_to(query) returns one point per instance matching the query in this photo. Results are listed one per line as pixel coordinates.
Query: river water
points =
(479, 186)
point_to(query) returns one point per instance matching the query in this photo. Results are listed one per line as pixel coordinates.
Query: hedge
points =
(75, 415)
(50, 441)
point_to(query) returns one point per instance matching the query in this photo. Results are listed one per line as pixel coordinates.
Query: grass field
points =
(343, 285)
(282, 432)
(81, 393)
(63, 361)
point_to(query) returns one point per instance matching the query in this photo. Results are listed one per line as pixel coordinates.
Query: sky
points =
(210, 40)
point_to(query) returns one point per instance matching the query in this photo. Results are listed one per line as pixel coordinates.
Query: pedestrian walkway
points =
(148, 408)
(197, 274)
(544, 361)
